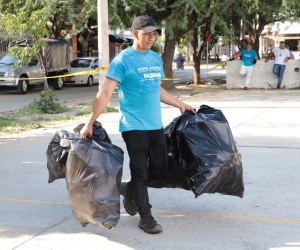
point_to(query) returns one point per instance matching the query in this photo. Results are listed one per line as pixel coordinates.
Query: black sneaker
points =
(149, 225)
(245, 88)
(128, 201)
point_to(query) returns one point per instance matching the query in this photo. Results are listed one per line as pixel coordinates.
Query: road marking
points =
(26, 142)
(227, 216)
(35, 201)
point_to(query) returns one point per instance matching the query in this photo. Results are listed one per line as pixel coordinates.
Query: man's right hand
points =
(86, 131)
(266, 60)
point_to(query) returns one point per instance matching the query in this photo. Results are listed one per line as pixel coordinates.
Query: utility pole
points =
(103, 39)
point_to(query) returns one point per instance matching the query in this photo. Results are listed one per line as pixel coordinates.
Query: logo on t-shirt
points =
(147, 69)
(151, 74)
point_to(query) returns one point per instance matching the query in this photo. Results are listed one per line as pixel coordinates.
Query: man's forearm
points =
(166, 98)
(100, 102)
(268, 56)
(102, 98)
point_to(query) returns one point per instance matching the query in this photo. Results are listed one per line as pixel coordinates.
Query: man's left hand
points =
(186, 107)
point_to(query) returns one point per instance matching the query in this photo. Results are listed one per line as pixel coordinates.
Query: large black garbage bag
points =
(204, 146)
(174, 176)
(170, 135)
(99, 133)
(57, 155)
(94, 172)
(58, 148)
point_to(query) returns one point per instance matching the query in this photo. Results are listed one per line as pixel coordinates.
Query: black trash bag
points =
(171, 137)
(94, 173)
(58, 148)
(99, 133)
(174, 176)
(207, 152)
(57, 155)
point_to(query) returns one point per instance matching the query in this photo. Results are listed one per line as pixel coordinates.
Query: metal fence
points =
(4, 46)
(4, 42)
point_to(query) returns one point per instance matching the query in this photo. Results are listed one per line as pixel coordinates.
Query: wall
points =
(262, 76)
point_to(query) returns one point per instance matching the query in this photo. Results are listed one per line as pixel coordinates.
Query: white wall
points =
(262, 76)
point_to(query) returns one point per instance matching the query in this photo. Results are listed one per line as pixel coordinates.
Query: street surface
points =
(10, 100)
(206, 71)
(265, 125)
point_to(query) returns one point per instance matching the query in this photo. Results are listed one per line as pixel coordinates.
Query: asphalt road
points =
(265, 126)
(10, 100)
(206, 71)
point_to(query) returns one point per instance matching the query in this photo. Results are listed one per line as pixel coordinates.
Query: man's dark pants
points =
(147, 152)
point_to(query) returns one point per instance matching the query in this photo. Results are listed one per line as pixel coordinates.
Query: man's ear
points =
(135, 34)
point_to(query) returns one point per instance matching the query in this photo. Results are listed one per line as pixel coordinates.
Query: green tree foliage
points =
(292, 7)
(263, 13)
(58, 13)
(177, 17)
(33, 26)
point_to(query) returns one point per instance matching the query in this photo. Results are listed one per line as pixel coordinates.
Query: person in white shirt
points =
(223, 60)
(282, 56)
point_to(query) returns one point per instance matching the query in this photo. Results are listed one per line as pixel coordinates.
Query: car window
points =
(95, 64)
(9, 60)
(81, 63)
(33, 62)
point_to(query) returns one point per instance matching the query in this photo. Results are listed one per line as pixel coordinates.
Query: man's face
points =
(249, 47)
(143, 39)
(282, 45)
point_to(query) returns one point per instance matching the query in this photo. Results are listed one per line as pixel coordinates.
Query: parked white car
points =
(81, 64)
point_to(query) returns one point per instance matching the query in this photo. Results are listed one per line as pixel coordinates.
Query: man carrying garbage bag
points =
(137, 72)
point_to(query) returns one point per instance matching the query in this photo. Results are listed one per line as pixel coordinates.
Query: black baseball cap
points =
(145, 23)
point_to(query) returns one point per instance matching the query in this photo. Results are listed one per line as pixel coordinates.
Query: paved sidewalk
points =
(265, 125)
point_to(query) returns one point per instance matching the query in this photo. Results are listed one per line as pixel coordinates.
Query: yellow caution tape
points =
(87, 72)
(165, 79)
(220, 64)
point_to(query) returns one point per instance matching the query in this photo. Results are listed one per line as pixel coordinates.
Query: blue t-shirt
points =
(139, 75)
(248, 57)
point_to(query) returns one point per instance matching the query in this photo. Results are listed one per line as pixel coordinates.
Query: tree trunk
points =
(256, 46)
(196, 68)
(196, 58)
(257, 34)
(167, 58)
(43, 70)
(188, 48)
(85, 48)
(199, 58)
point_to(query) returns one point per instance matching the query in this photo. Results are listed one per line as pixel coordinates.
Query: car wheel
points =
(22, 87)
(58, 83)
(89, 81)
